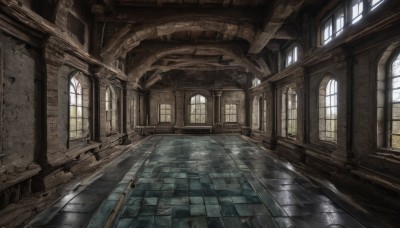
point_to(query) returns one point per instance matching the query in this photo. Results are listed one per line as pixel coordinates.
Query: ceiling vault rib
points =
(281, 10)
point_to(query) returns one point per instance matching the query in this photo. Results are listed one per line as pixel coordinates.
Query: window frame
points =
(229, 115)
(76, 117)
(332, 19)
(195, 114)
(163, 116)
(255, 82)
(323, 107)
(255, 113)
(87, 110)
(360, 15)
(112, 110)
(291, 122)
(292, 52)
(373, 7)
(389, 101)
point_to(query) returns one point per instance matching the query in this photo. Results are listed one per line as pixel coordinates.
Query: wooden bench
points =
(145, 129)
(196, 129)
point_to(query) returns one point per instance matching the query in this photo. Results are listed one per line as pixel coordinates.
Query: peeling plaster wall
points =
(20, 119)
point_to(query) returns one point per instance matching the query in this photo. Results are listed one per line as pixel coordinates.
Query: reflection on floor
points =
(200, 181)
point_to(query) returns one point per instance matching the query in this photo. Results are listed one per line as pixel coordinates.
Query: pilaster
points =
(179, 101)
(53, 53)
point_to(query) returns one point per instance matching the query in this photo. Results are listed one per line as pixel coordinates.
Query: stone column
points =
(100, 107)
(142, 110)
(125, 113)
(53, 60)
(218, 108)
(180, 105)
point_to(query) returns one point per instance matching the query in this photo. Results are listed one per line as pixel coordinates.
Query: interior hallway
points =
(201, 181)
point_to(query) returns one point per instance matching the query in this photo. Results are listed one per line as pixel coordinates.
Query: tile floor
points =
(201, 181)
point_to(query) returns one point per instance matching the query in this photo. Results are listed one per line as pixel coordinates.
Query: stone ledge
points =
(378, 178)
(13, 179)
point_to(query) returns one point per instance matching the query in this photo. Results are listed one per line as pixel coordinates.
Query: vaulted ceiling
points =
(156, 36)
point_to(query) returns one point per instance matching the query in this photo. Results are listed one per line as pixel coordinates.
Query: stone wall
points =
(20, 111)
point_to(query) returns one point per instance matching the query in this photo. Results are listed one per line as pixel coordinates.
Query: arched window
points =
(78, 107)
(394, 103)
(165, 113)
(289, 113)
(198, 109)
(328, 110)
(230, 113)
(256, 113)
(111, 111)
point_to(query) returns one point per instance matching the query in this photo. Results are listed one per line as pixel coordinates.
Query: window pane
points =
(327, 31)
(327, 101)
(79, 112)
(79, 100)
(79, 124)
(357, 9)
(396, 67)
(396, 141)
(72, 111)
(339, 22)
(375, 4)
(396, 95)
(79, 88)
(396, 111)
(72, 99)
(72, 124)
(203, 109)
(395, 127)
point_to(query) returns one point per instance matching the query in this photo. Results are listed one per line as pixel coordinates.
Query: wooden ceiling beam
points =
(147, 15)
(273, 22)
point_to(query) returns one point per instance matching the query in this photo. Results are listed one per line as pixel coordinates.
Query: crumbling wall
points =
(19, 129)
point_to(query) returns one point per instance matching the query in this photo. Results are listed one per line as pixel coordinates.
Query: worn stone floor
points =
(201, 181)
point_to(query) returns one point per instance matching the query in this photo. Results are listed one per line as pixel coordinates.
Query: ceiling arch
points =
(144, 62)
(130, 36)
